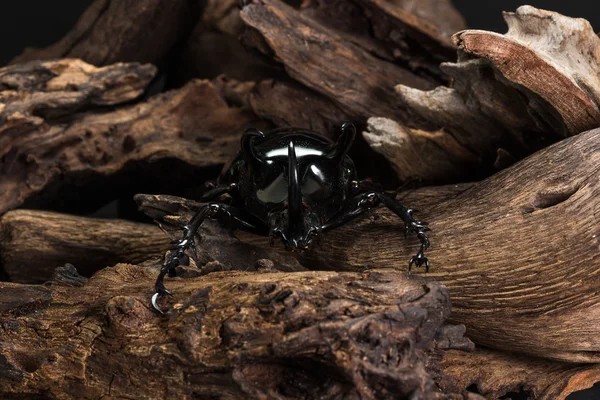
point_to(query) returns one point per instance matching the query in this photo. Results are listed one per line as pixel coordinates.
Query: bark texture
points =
(230, 335)
(58, 149)
(496, 374)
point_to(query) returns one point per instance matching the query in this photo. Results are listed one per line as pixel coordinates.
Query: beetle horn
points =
(344, 142)
(247, 144)
(294, 194)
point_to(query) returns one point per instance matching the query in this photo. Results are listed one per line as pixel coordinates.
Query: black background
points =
(39, 23)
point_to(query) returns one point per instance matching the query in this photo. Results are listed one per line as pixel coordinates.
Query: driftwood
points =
(512, 95)
(496, 374)
(230, 335)
(34, 243)
(514, 250)
(213, 48)
(110, 31)
(59, 150)
(313, 56)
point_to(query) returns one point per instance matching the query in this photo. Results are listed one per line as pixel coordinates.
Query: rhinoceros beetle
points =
(291, 184)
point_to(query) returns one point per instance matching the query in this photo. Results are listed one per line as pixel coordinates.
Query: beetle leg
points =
(361, 203)
(216, 191)
(223, 213)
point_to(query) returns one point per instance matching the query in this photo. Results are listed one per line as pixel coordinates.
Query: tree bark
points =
(516, 250)
(234, 335)
(60, 150)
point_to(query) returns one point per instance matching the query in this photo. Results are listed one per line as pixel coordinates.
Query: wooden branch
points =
(515, 250)
(34, 243)
(54, 157)
(30, 91)
(312, 54)
(110, 31)
(438, 19)
(497, 373)
(213, 48)
(239, 335)
(525, 90)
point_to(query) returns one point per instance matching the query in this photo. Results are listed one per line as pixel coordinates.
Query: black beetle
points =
(291, 184)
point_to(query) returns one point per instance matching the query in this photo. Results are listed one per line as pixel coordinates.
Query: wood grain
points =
(234, 335)
(496, 374)
(34, 243)
(111, 31)
(518, 251)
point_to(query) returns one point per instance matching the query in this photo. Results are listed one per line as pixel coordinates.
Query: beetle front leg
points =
(223, 213)
(410, 225)
(361, 203)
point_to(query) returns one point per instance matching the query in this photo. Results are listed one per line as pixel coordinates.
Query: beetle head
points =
(295, 235)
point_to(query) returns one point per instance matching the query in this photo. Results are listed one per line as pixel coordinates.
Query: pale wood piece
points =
(511, 95)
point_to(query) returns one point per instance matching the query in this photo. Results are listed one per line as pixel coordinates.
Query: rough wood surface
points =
(497, 374)
(232, 335)
(313, 54)
(34, 243)
(59, 149)
(110, 31)
(517, 250)
(213, 48)
(512, 94)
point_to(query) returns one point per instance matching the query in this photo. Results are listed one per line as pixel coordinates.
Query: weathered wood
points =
(58, 149)
(512, 94)
(213, 48)
(232, 335)
(341, 70)
(495, 374)
(516, 250)
(111, 31)
(414, 37)
(34, 243)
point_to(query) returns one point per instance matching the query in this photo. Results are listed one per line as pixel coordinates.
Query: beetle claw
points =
(419, 260)
(160, 292)
(155, 297)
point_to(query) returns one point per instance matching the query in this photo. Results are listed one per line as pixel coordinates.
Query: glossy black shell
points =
(263, 187)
